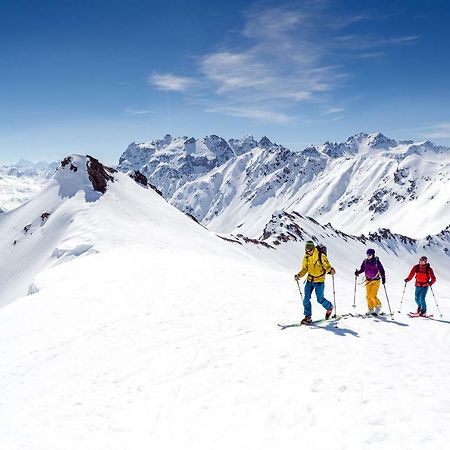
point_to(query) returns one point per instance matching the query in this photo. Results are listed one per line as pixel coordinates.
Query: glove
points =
(332, 271)
(356, 273)
(383, 281)
(296, 277)
(405, 280)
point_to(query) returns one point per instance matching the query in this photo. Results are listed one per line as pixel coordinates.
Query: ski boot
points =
(307, 320)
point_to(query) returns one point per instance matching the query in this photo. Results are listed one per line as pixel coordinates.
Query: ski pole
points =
(401, 301)
(334, 297)
(354, 293)
(387, 298)
(437, 306)
(300, 290)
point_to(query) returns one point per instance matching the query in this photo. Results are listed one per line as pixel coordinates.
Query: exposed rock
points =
(139, 177)
(67, 161)
(155, 189)
(99, 175)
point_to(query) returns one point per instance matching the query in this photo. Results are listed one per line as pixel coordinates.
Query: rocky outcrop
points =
(68, 160)
(139, 177)
(99, 175)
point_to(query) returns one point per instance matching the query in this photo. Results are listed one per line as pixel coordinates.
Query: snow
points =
(369, 181)
(146, 330)
(20, 182)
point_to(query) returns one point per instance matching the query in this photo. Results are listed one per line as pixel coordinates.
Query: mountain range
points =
(368, 182)
(21, 181)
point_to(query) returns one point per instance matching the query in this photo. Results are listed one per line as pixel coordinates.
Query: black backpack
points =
(322, 249)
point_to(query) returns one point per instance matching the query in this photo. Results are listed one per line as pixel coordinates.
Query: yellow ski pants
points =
(371, 293)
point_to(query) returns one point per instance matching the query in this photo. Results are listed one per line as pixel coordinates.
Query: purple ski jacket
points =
(373, 269)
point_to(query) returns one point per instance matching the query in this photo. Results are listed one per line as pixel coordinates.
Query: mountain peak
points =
(379, 140)
(83, 173)
(243, 145)
(265, 142)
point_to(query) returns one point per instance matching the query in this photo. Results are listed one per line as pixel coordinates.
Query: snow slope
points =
(148, 331)
(370, 181)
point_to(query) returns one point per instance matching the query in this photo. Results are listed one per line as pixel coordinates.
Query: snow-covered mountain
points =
(142, 329)
(21, 181)
(367, 182)
(85, 208)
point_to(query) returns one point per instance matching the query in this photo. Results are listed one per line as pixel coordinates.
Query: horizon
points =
(21, 160)
(85, 78)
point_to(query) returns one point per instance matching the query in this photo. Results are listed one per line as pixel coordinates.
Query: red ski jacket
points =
(424, 275)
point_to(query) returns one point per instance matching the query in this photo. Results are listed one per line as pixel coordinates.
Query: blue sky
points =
(93, 76)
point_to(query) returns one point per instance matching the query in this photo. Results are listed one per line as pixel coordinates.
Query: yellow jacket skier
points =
(316, 265)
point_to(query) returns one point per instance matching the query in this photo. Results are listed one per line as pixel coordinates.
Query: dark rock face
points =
(139, 178)
(99, 175)
(155, 189)
(67, 161)
(193, 218)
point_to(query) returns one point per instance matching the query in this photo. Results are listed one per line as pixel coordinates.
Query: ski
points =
(314, 322)
(414, 314)
(364, 316)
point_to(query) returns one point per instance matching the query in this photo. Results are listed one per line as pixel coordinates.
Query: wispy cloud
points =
(138, 111)
(170, 82)
(287, 56)
(358, 42)
(437, 131)
(256, 113)
(333, 110)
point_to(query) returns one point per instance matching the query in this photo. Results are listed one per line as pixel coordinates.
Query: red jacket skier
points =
(424, 278)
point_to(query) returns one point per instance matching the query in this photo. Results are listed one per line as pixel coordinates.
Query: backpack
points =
(427, 271)
(322, 249)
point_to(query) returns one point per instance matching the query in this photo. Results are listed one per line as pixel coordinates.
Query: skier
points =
(316, 265)
(373, 271)
(424, 278)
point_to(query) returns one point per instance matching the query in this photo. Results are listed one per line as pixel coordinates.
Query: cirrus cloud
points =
(170, 82)
(287, 55)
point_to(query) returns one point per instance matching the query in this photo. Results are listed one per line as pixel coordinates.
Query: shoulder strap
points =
(377, 261)
(319, 260)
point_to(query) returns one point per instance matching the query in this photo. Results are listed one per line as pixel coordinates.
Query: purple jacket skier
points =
(374, 272)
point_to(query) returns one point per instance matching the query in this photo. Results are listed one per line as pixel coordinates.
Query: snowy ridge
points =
(369, 181)
(87, 208)
(293, 227)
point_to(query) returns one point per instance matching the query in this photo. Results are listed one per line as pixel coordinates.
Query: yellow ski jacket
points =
(315, 267)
